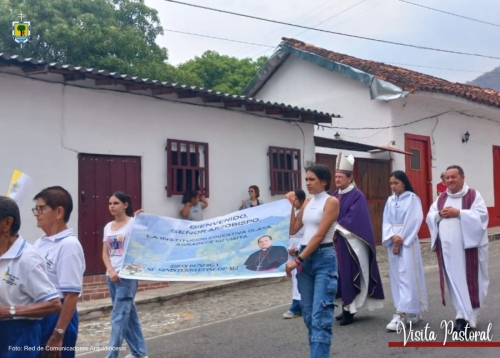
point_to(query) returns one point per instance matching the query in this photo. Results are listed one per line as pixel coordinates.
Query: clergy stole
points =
(471, 255)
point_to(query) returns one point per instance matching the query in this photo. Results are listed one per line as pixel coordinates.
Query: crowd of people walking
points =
(336, 259)
(332, 260)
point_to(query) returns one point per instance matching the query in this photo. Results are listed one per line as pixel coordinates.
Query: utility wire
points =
(333, 32)
(450, 13)
(273, 47)
(218, 38)
(406, 124)
(336, 24)
(308, 15)
(331, 17)
(436, 68)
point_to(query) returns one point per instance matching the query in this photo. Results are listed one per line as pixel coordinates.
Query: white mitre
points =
(344, 164)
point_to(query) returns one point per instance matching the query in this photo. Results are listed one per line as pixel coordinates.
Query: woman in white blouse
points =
(125, 323)
(26, 293)
(316, 263)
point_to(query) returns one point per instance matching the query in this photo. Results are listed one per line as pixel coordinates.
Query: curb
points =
(102, 310)
(494, 237)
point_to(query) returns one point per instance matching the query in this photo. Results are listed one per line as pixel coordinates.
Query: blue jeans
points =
(295, 307)
(125, 322)
(318, 286)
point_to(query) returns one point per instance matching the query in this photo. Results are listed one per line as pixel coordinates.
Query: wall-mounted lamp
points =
(336, 136)
(465, 137)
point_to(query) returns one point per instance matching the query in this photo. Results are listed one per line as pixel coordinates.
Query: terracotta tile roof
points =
(410, 81)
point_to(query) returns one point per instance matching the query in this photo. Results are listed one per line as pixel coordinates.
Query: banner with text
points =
(250, 243)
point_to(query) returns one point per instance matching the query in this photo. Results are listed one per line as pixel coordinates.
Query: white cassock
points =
(403, 216)
(294, 243)
(467, 231)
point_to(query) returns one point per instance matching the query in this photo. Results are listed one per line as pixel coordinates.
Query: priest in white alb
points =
(458, 222)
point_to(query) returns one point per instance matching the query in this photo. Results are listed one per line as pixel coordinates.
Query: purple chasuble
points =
(471, 255)
(355, 217)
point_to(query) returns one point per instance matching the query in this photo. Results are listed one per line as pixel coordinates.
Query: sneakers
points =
(288, 315)
(130, 355)
(414, 317)
(394, 324)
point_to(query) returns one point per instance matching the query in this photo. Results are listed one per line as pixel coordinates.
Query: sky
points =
(390, 20)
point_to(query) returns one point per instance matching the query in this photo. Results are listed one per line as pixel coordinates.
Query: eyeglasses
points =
(38, 209)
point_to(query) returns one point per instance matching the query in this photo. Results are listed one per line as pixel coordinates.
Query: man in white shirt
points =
(458, 222)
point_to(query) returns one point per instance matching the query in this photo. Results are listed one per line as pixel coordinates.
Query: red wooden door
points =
(418, 169)
(496, 179)
(98, 177)
(372, 178)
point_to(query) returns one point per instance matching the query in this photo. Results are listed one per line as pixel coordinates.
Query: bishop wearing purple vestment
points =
(359, 285)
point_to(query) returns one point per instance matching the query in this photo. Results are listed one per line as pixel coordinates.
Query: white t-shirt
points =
(65, 261)
(24, 278)
(116, 242)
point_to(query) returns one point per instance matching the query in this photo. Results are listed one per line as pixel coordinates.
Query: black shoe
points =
(460, 325)
(340, 316)
(347, 318)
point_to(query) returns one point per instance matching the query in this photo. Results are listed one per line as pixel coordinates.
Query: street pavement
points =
(248, 323)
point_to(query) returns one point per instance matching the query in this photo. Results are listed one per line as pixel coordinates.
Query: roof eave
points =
(330, 143)
(101, 78)
(265, 72)
(379, 89)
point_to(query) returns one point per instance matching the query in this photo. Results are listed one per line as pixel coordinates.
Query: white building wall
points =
(301, 83)
(45, 126)
(446, 132)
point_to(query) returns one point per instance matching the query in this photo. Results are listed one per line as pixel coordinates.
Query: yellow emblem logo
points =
(21, 30)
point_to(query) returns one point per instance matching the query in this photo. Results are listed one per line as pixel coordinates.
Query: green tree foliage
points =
(223, 73)
(118, 36)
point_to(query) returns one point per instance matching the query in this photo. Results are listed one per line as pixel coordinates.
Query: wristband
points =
(299, 265)
(301, 260)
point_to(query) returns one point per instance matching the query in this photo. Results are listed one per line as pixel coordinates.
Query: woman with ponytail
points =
(125, 322)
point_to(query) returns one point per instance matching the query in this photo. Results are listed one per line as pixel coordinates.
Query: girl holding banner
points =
(317, 261)
(125, 323)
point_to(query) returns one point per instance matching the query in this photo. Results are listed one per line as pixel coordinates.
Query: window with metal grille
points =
(187, 167)
(285, 169)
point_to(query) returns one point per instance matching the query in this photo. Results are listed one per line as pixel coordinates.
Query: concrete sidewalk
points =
(185, 291)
